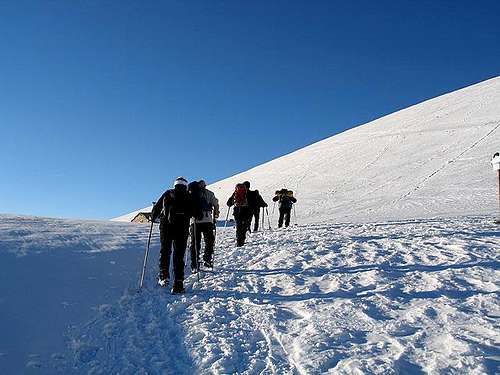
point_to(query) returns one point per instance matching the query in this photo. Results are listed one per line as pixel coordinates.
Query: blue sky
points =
(104, 103)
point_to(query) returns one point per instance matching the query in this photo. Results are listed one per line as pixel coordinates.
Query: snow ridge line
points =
(421, 183)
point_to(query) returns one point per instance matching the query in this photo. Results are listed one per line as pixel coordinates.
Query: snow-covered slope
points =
(431, 159)
(407, 297)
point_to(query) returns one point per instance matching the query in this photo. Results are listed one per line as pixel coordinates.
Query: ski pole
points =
(272, 213)
(268, 221)
(294, 215)
(196, 251)
(215, 241)
(227, 216)
(263, 214)
(146, 255)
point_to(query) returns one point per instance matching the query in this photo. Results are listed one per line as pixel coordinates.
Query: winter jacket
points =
(255, 200)
(175, 207)
(260, 200)
(209, 206)
(284, 201)
(230, 201)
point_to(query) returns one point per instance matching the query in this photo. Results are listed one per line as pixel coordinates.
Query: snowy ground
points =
(405, 297)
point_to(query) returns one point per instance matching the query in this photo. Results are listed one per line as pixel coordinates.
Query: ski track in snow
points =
(415, 296)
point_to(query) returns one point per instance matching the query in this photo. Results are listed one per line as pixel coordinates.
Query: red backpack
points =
(240, 195)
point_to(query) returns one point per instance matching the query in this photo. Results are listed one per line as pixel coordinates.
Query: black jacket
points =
(175, 206)
(230, 201)
(255, 200)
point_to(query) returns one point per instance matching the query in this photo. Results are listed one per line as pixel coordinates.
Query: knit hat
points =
(181, 181)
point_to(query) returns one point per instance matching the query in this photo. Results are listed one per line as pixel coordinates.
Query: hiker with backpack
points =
(285, 201)
(241, 212)
(175, 209)
(255, 203)
(206, 214)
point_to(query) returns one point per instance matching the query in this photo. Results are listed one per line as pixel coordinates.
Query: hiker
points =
(240, 212)
(286, 200)
(175, 209)
(206, 214)
(255, 203)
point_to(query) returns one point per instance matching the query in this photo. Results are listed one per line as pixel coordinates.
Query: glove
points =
(153, 216)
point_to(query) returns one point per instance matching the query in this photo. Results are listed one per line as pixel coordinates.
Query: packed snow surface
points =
(427, 160)
(402, 297)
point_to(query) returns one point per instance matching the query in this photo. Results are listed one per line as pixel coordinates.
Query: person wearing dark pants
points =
(206, 214)
(285, 201)
(284, 216)
(259, 203)
(175, 209)
(171, 236)
(207, 231)
(255, 203)
(241, 216)
(241, 212)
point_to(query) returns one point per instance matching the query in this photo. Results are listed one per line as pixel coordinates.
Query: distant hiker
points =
(255, 203)
(241, 212)
(206, 214)
(175, 209)
(286, 200)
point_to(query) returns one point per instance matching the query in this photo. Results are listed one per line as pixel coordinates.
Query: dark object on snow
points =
(241, 212)
(175, 209)
(255, 202)
(207, 212)
(285, 201)
(207, 230)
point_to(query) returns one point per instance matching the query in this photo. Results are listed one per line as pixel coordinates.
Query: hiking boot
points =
(163, 282)
(178, 287)
(194, 265)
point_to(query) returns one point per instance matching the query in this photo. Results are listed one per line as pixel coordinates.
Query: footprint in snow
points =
(86, 353)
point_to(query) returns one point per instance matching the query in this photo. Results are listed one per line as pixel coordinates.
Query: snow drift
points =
(431, 159)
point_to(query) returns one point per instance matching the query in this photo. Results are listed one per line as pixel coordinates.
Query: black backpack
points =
(194, 190)
(177, 211)
(201, 205)
(285, 201)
